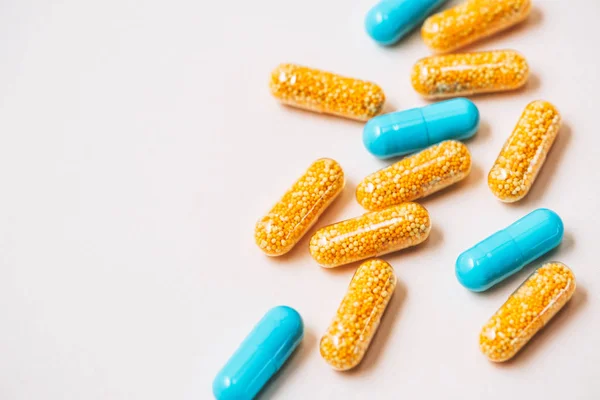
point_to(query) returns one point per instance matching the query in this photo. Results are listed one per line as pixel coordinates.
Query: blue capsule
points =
(509, 250)
(404, 132)
(390, 20)
(260, 355)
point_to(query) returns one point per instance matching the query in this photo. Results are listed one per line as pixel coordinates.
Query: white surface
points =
(139, 144)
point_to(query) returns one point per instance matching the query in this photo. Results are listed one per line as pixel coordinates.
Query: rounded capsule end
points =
(467, 273)
(471, 121)
(378, 26)
(553, 222)
(430, 32)
(265, 240)
(523, 75)
(290, 318)
(419, 78)
(224, 388)
(371, 139)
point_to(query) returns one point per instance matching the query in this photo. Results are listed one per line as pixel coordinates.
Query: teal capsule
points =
(405, 132)
(509, 250)
(390, 20)
(261, 354)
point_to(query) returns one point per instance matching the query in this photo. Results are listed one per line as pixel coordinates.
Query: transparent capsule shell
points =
(414, 177)
(370, 235)
(348, 337)
(527, 311)
(525, 151)
(325, 92)
(296, 212)
(455, 75)
(471, 21)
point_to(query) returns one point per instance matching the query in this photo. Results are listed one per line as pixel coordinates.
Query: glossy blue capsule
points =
(405, 132)
(390, 20)
(509, 250)
(260, 355)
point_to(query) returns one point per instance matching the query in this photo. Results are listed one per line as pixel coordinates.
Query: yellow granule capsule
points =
(300, 207)
(472, 21)
(526, 311)
(325, 92)
(348, 337)
(524, 152)
(416, 176)
(465, 74)
(370, 235)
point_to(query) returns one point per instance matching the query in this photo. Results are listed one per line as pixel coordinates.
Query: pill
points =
(527, 311)
(524, 152)
(509, 250)
(390, 20)
(466, 74)
(325, 92)
(416, 176)
(471, 21)
(300, 207)
(348, 337)
(405, 132)
(370, 235)
(260, 356)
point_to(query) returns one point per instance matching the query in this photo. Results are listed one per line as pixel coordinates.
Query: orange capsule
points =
(325, 92)
(453, 75)
(348, 337)
(299, 208)
(419, 175)
(527, 311)
(525, 151)
(370, 235)
(471, 21)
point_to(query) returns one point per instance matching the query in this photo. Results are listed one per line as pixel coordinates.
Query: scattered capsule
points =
(260, 356)
(467, 74)
(524, 152)
(405, 132)
(299, 208)
(348, 337)
(325, 92)
(527, 311)
(509, 250)
(417, 176)
(370, 235)
(471, 21)
(390, 20)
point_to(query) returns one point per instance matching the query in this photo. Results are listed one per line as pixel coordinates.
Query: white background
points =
(139, 144)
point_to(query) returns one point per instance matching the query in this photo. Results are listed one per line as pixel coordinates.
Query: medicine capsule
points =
(404, 132)
(417, 176)
(325, 92)
(466, 74)
(260, 356)
(299, 208)
(524, 152)
(509, 250)
(527, 311)
(390, 20)
(370, 235)
(348, 337)
(471, 21)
